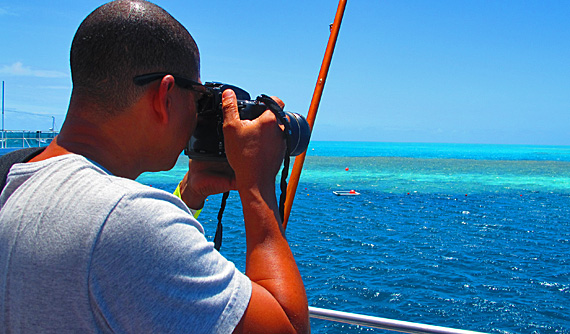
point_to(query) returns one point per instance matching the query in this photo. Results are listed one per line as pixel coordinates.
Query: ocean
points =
(471, 237)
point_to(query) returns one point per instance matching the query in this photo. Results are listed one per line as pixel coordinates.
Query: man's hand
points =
(255, 150)
(205, 178)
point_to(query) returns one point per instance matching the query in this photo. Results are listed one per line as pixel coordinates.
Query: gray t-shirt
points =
(84, 251)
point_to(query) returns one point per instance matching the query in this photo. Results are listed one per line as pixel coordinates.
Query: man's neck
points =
(98, 143)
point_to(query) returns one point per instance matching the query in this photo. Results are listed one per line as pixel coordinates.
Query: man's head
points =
(123, 39)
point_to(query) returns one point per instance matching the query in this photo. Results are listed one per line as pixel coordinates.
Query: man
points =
(83, 248)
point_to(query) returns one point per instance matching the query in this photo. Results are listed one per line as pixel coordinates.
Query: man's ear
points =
(163, 100)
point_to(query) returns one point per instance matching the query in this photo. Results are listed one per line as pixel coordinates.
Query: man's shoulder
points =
(74, 177)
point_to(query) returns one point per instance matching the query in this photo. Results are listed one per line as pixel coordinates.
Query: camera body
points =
(207, 141)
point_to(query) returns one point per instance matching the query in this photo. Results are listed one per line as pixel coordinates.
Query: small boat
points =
(346, 193)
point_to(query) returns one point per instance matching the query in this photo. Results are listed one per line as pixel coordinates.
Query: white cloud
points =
(19, 69)
(4, 11)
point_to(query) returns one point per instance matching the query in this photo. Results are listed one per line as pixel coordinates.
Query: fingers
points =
(231, 111)
(229, 106)
(219, 168)
(205, 178)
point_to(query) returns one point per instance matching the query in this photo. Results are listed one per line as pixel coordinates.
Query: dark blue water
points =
(466, 236)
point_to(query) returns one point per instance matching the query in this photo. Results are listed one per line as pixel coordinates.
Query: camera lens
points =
(300, 133)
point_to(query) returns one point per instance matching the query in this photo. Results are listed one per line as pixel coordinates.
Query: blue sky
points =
(403, 71)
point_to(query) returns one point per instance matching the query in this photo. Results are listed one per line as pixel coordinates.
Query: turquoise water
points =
(440, 151)
(466, 236)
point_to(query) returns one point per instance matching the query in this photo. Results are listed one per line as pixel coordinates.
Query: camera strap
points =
(280, 115)
(219, 228)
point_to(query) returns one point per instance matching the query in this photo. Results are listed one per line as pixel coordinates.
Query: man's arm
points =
(255, 151)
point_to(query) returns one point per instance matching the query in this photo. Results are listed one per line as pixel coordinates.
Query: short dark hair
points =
(125, 38)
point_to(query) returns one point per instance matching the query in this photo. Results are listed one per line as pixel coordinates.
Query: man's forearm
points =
(269, 260)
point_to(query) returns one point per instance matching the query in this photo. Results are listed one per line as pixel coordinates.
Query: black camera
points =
(207, 142)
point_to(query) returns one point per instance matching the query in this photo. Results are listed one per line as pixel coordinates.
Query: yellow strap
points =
(176, 193)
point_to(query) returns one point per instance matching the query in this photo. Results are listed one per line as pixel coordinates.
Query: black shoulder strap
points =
(7, 160)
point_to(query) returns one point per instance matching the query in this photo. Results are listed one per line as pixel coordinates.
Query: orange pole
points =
(300, 159)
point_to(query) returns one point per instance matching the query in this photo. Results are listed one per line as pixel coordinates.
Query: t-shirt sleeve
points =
(153, 271)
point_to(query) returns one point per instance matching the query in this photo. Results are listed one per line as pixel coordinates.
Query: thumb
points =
(229, 106)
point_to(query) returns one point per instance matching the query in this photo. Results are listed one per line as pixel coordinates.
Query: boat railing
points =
(26, 138)
(382, 323)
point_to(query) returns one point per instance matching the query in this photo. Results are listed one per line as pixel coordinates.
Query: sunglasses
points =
(144, 79)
